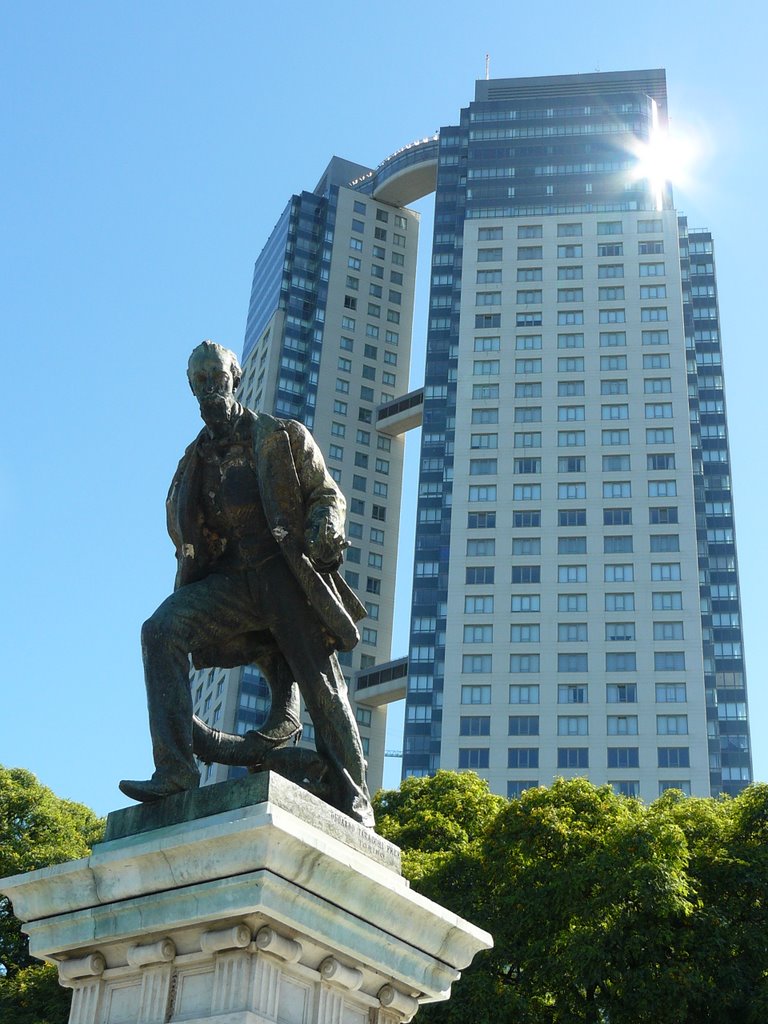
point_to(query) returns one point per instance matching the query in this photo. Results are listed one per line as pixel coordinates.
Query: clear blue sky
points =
(148, 150)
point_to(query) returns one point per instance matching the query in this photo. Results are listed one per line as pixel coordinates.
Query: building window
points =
(662, 488)
(473, 757)
(572, 694)
(665, 571)
(523, 725)
(570, 317)
(526, 546)
(485, 492)
(524, 573)
(571, 574)
(527, 634)
(621, 693)
(570, 364)
(669, 661)
(572, 632)
(572, 517)
(572, 725)
(571, 545)
(617, 489)
(475, 725)
(576, 491)
(660, 462)
(573, 757)
(623, 573)
(475, 574)
(618, 544)
(668, 542)
(621, 725)
(615, 386)
(476, 695)
(654, 291)
(655, 337)
(661, 515)
(619, 602)
(672, 725)
(519, 694)
(674, 757)
(572, 663)
(623, 757)
(624, 661)
(610, 270)
(523, 663)
(571, 439)
(615, 437)
(571, 464)
(570, 412)
(523, 757)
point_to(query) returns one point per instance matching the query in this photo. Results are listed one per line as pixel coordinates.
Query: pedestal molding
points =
(251, 916)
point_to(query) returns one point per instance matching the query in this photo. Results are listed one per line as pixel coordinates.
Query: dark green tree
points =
(725, 942)
(601, 908)
(37, 829)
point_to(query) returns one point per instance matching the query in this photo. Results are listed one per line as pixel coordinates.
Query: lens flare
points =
(666, 158)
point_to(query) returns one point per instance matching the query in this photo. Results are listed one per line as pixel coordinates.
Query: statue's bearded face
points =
(213, 385)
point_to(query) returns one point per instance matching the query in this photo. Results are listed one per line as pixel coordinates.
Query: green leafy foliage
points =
(601, 908)
(33, 996)
(37, 829)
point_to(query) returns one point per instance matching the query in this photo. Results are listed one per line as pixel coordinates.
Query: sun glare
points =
(665, 158)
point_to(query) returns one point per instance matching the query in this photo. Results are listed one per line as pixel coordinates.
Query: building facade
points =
(575, 594)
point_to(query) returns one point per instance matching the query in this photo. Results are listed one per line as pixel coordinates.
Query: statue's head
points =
(214, 375)
(211, 352)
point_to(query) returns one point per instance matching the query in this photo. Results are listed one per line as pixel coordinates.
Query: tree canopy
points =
(601, 907)
(37, 829)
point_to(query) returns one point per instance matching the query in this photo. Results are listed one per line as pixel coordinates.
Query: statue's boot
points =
(158, 787)
(282, 725)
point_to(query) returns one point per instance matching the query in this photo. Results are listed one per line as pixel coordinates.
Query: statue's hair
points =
(209, 347)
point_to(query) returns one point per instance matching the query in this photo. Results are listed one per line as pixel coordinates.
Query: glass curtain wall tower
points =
(327, 340)
(575, 592)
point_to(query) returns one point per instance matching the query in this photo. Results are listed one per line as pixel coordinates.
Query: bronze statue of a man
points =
(258, 526)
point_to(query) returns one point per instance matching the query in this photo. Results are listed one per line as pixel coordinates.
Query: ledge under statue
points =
(258, 526)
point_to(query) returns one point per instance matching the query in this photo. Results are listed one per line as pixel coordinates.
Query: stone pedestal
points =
(246, 903)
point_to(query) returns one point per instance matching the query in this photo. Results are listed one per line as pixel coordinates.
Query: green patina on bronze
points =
(258, 526)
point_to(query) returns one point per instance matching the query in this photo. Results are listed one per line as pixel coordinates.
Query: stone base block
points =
(276, 911)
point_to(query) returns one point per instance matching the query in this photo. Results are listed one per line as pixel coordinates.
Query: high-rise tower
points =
(575, 595)
(327, 341)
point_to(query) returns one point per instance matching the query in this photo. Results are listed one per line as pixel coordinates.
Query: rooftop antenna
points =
(487, 66)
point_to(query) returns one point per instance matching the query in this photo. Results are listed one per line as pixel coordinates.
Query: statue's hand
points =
(324, 545)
